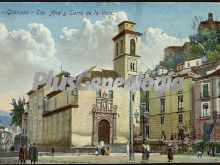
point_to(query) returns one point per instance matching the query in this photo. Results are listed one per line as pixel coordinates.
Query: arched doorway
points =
(104, 131)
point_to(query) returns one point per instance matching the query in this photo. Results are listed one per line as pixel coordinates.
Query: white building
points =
(197, 61)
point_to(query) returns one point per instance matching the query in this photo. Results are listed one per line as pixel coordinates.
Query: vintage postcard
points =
(109, 82)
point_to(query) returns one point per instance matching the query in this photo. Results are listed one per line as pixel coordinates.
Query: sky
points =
(32, 42)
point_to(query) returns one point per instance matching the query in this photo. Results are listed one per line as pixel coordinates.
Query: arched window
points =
(121, 47)
(132, 46)
(133, 67)
(116, 48)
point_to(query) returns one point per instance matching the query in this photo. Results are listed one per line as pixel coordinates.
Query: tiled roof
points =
(205, 67)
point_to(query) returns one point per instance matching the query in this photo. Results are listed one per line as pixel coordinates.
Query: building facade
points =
(207, 108)
(87, 117)
(170, 114)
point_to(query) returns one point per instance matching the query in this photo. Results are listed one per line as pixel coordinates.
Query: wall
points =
(171, 111)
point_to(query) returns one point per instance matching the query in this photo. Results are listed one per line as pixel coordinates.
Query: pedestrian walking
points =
(199, 154)
(53, 151)
(213, 150)
(96, 151)
(34, 154)
(23, 154)
(170, 153)
(103, 150)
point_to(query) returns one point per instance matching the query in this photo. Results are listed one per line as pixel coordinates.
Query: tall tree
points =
(17, 111)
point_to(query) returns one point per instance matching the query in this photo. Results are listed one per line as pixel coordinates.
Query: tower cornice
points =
(125, 55)
(126, 32)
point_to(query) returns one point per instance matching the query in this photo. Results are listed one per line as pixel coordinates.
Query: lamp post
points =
(131, 124)
(145, 115)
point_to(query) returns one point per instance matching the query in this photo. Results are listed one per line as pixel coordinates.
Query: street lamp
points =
(131, 128)
(145, 115)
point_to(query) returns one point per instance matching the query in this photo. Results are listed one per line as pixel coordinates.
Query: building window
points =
(121, 47)
(147, 105)
(205, 90)
(205, 110)
(131, 66)
(162, 120)
(98, 93)
(188, 64)
(132, 47)
(116, 48)
(147, 94)
(180, 118)
(110, 94)
(133, 97)
(180, 103)
(162, 105)
(197, 63)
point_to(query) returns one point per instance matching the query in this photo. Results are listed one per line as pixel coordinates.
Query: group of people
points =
(210, 151)
(104, 151)
(28, 154)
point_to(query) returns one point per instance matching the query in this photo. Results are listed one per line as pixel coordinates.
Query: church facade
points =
(85, 118)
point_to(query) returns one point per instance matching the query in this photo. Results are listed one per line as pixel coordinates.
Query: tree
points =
(213, 56)
(17, 111)
(195, 22)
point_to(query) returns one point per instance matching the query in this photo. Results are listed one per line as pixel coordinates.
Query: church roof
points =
(95, 72)
(102, 74)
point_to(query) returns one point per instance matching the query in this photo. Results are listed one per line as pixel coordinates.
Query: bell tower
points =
(127, 45)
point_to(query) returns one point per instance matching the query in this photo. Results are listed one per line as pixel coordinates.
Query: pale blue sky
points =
(174, 18)
(27, 46)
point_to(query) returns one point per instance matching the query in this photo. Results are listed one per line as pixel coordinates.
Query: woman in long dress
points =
(170, 154)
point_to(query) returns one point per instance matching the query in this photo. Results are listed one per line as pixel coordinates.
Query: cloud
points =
(153, 46)
(22, 53)
(26, 51)
(91, 44)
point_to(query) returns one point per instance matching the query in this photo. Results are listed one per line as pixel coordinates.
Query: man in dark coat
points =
(53, 151)
(33, 153)
(23, 154)
(170, 154)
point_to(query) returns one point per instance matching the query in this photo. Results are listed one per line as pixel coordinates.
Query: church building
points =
(85, 118)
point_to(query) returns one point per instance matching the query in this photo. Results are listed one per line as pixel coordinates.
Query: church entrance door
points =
(104, 131)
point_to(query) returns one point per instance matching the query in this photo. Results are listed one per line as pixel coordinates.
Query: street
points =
(113, 159)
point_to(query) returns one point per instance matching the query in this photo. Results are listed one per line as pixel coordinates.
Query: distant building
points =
(196, 61)
(7, 135)
(180, 67)
(161, 70)
(209, 24)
